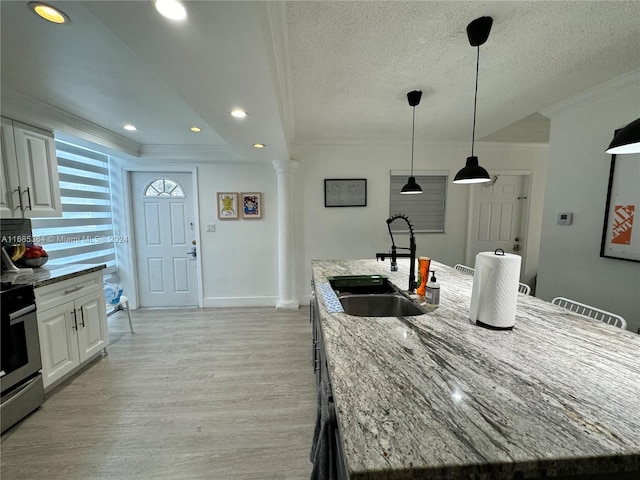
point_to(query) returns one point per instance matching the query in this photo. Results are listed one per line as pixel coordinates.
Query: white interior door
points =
(497, 217)
(165, 241)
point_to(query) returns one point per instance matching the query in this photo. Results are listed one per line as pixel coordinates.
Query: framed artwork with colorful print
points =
(620, 233)
(227, 205)
(251, 205)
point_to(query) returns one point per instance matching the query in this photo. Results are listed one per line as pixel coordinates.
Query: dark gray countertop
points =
(434, 396)
(48, 274)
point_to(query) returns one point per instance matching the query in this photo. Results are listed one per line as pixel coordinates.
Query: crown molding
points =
(197, 153)
(273, 19)
(424, 143)
(35, 112)
(594, 93)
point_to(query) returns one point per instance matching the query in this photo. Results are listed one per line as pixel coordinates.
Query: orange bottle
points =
(423, 275)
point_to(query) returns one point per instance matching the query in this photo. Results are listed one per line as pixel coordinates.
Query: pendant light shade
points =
(412, 188)
(478, 33)
(472, 173)
(627, 140)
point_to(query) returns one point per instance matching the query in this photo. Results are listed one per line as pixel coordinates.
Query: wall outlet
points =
(211, 227)
(565, 218)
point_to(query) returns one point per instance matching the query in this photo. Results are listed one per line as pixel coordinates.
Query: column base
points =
(288, 304)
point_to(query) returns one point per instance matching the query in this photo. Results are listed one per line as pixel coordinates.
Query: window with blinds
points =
(84, 234)
(426, 210)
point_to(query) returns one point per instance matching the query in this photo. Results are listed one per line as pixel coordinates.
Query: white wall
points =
(577, 182)
(239, 260)
(361, 232)
(239, 264)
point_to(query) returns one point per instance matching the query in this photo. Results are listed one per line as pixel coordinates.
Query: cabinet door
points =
(58, 342)
(38, 171)
(92, 324)
(9, 202)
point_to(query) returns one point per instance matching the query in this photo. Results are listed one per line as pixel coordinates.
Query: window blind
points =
(84, 234)
(426, 211)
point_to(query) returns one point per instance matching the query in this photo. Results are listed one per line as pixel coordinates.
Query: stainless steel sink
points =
(379, 305)
(361, 284)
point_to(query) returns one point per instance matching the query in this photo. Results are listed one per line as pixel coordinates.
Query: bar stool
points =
(123, 304)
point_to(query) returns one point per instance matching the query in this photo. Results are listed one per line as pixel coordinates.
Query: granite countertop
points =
(434, 396)
(48, 274)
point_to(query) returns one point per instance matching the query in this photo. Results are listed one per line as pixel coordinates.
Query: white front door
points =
(497, 217)
(165, 241)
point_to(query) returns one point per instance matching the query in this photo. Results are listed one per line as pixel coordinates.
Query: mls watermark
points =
(48, 239)
(93, 239)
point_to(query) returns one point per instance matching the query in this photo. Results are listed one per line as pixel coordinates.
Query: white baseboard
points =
(240, 302)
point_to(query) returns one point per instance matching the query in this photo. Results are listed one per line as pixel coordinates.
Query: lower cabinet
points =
(319, 358)
(321, 371)
(73, 330)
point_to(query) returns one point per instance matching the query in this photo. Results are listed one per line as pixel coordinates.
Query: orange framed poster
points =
(621, 230)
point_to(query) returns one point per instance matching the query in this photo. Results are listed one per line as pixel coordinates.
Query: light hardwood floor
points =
(195, 394)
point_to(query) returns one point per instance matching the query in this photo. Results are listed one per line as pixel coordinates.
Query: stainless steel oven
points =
(20, 377)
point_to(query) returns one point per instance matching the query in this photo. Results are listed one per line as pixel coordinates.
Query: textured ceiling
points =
(352, 64)
(313, 72)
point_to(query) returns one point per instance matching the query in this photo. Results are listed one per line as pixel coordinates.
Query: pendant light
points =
(626, 140)
(477, 32)
(412, 188)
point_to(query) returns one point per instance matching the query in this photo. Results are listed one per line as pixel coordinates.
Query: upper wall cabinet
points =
(29, 186)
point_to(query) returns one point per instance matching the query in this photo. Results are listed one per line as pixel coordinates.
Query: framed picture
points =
(345, 192)
(227, 205)
(620, 233)
(251, 204)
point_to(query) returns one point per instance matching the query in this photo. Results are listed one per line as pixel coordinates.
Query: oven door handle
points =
(21, 312)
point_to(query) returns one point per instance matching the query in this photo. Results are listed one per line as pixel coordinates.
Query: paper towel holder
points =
(499, 250)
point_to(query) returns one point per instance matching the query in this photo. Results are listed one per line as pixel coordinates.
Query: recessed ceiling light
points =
(238, 113)
(131, 128)
(171, 9)
(259, 145)
(195, 129)
(48, 12)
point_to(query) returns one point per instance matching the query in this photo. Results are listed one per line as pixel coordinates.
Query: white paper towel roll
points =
(495, 290)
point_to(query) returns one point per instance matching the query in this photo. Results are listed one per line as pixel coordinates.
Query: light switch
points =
(211, 227)
(565, 218)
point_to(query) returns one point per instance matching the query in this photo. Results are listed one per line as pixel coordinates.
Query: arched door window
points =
(164, 187)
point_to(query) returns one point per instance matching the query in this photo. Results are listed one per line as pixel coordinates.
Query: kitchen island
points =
(436, 397)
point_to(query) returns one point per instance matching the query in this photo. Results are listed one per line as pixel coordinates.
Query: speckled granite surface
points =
(50, 274)
(436, 397)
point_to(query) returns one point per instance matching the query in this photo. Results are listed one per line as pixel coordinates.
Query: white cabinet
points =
(58, 342)
(72, 324)
(29, 186)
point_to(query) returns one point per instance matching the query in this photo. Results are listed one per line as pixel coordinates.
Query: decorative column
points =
(286, 233)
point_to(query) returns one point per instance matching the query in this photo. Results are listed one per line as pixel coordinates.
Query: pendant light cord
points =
(413, 130)
(475, 103)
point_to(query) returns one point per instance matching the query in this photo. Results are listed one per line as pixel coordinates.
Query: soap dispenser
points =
(433, 290)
